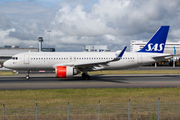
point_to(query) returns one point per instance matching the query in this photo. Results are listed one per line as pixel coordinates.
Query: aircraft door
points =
(139, 58)
(26, 59)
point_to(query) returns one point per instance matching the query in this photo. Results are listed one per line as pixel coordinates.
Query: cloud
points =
(28, 18)
(114, 22)
(75, 23)
(6, 39)
(5, 33)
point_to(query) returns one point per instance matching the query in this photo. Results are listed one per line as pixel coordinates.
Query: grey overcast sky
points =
(75, 23)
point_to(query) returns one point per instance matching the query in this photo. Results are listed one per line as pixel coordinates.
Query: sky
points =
(75, 23)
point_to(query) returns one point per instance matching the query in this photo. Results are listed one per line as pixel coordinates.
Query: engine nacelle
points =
(65, 71)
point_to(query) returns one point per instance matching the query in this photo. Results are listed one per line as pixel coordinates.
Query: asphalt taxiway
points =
(49, 81)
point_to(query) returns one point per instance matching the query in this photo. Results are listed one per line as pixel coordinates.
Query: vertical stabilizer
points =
(157, 43)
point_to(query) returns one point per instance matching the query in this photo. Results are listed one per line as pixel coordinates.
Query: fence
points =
(160, 110)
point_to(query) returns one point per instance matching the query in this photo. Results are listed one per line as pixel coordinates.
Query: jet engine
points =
(65, 71)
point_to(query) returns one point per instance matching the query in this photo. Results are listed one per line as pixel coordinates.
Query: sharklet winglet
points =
(121, 53)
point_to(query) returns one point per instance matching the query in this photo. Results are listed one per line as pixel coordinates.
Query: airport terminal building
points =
(96, 48)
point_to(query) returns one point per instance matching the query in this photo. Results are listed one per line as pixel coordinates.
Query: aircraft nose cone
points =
(5, 64)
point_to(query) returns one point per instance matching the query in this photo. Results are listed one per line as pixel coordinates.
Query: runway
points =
(49, 81)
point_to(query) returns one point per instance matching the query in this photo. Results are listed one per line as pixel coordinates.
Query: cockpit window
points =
(15, 58)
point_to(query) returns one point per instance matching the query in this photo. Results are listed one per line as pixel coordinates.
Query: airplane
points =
(68, 64)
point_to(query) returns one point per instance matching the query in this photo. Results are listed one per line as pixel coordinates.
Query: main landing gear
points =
(85, 76)
(27, 76)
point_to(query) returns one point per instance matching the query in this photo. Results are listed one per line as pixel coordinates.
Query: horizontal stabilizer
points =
(162, 55)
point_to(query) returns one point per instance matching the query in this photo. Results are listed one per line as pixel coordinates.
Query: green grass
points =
(60, 97)
(136, 72)
(6, 73)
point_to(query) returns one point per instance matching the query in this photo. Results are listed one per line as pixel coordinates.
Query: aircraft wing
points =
(119, 56)
(90, 65)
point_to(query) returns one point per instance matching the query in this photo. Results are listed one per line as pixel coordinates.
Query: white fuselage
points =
(47, 60)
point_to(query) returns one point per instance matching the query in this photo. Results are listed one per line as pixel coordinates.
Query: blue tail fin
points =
(157, 43)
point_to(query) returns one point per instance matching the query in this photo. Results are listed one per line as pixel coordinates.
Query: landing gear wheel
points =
(27, 77)
(85, 76)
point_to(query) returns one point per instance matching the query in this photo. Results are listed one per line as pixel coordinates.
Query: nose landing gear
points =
(27, 76)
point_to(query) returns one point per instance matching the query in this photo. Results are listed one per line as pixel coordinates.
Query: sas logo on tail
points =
(155, 47)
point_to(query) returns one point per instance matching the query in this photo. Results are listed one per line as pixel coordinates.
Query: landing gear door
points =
(139, 58)
(26, 59)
